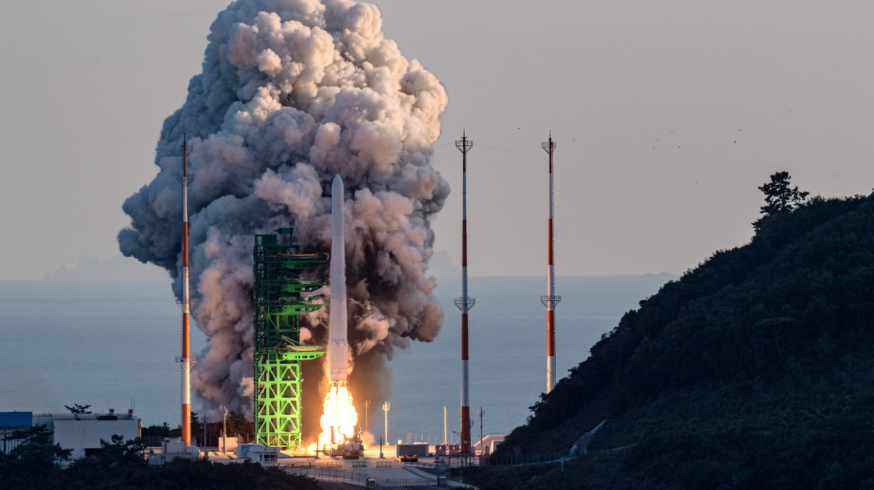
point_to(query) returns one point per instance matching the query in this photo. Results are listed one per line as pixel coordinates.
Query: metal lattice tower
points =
(280, 297)
(550, 300)
(464, 303)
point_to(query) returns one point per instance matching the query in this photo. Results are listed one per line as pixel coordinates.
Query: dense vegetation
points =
(236, 423)
(120, 464)
(754, 370)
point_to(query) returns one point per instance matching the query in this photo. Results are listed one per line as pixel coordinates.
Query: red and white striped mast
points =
(185, 360)
(550, 300)
(464, 303)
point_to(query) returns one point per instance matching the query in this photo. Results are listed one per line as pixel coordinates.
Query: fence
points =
(524, 459)
(428, 466)
(404, 482)
(330, 474)
(359, 477)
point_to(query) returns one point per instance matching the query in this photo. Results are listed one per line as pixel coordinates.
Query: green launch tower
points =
(280, 296)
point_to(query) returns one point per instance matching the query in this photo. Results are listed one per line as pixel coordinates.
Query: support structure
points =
(550, 300)
(280, 297)
(185, 360)
(464, 303)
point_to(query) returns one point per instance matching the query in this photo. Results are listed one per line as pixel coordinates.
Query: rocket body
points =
(339, 417)
(338, 348)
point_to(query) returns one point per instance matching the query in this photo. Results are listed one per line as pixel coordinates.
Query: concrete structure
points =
(172, 449)
(258, 453)
(488, 444)
(228, 444)
(447, 449)
(80, 432)
(416, 449)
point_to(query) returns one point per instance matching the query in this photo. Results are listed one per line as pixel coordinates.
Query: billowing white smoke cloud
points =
(292, 93)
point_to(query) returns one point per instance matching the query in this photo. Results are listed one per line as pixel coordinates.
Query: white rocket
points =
(338, 349)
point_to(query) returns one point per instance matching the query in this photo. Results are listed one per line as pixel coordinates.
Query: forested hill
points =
(754, 370)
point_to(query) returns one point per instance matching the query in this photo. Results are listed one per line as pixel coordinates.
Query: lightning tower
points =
(550, 300)
(185, 360)
(464, 303)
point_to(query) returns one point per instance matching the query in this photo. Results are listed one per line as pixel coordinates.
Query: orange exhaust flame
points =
(339, 417)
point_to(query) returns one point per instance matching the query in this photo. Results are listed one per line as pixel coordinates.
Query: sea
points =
(114, 344)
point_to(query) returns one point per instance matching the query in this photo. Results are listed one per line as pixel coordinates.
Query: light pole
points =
(481, 412)
(224, 429)
(386, 406)
(366, 406)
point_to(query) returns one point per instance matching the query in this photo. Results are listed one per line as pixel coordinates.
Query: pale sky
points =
(667, 115)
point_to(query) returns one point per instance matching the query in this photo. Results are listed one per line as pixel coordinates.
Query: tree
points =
(239, 426)
(120, 453)
(35, 444)
(779, 198)
(32, 460)
(78, 409)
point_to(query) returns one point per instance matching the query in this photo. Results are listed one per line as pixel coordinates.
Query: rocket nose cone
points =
(337, 184)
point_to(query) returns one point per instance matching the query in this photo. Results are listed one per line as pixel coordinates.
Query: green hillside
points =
(754, 370)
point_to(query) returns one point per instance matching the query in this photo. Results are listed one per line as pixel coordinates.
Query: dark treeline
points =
(751, 371)
(33, 465)
(237, 426)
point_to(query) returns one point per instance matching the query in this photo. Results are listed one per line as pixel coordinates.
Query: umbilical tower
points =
(281, 295)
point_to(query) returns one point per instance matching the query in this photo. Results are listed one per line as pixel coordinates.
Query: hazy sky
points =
(667, 115)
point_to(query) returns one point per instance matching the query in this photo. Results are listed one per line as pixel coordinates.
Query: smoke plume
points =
(293, 92)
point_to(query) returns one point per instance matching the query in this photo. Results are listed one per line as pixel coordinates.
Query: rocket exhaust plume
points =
(339, 416)
(292, 93)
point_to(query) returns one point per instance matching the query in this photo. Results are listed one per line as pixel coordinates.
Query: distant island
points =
(115, 269)
(752, 370)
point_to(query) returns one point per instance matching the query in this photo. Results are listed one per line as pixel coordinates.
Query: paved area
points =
(337, 473)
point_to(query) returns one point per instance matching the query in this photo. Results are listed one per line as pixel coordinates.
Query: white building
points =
(257, 453)
(80, 432)
(172, 448)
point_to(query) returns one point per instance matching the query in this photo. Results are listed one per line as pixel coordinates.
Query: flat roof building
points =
(80, 432)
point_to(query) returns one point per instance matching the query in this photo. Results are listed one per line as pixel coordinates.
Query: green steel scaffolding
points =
(280, 296)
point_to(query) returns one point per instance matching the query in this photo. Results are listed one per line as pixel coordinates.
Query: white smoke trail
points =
(292, 93)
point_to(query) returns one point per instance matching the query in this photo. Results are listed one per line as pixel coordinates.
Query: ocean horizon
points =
(113, 344)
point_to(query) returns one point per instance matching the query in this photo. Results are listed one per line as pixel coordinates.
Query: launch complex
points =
(286, 287)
